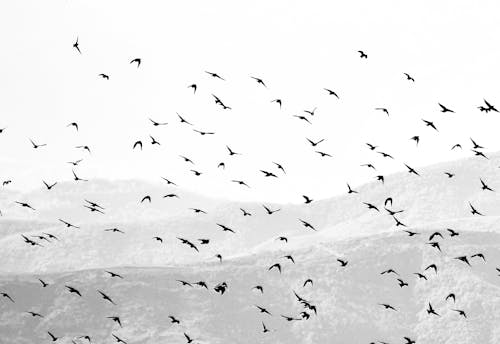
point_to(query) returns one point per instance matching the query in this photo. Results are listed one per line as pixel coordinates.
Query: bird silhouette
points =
(104, 76)
(76, 45)
(431, 310)
(408, 77)
(331, 93)
(362, 54)
(259, 81)
(136, 60)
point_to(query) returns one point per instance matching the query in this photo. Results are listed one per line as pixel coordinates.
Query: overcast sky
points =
(297, 48)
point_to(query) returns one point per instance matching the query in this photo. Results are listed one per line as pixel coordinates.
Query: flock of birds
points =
(308, 307)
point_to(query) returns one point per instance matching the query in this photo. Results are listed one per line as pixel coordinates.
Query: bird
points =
(114, 274)
(410, 233)
(157, 238)
(198, 211)
(460, 312)
(449, 174)
(118, 339)
(290, 258)
(371, 206)
(432, 266)
(174, 320)
(331, 93)
(73, 124)
(203, 133)
(302, 118)
(430, 124)
(49, 187)
(419, 275)
(25, 205)
(245, 213)
(402, 283)
(136, 60)
(484, 186)
(104, 76)
(431, 310)
(184, 283)
(168, 181)
(342, 262)
(387, 306)
(277, 101)
(371, 147)
(264, 328)
(450, 296)
(214, 75)
(435, 234)
(269, 211)
(463, 259)
(225, 228)
(188, 243)
(307, 200)
(282, 238)
(54, 338)
(259, 81)
(308, 281)
(73, 290)
(75, 163)
(156, 124)
(408, 77)
(458, 145)
(445, 109)
(310, 112)
(7, 296)
(154, 141)
(183, 120)
(240, 182)
(106, 297)
(323, 154)
(231, 152)
(479, 255)
(474, 211)
(349, 190)
(259, 288)
(475, 145)
(452, 232)
(389, 271)
(84, 147)
(268, 174)
(416, 138)
(194, 87)
(307, 224)
(276, 265)
(189, 339)
(137, 144)
(314, 144)
(384, 110)
(76, 45)
(35, 314)
(115, 319)
(146, 198)
(78, 179)
(44, 284)
(263, 310)
(369, 166)
(114, 230)
(362, 54)
(36, 146)
(411, 170)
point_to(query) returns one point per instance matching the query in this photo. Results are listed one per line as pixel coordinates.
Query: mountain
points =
(347, 298)
(432, 198)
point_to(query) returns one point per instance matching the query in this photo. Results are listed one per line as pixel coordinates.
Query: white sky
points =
(296, 47)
